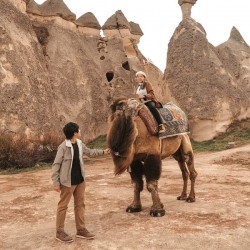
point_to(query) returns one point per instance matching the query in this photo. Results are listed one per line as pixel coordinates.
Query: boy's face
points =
(77, 135)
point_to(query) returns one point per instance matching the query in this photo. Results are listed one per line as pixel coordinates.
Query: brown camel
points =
(135, 150)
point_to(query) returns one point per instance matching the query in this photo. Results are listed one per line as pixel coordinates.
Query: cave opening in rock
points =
(109, 76)
(125, 65)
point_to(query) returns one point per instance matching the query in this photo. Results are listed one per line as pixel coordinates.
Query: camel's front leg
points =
(136, 177)
(157, 209)
(152, 169)
(135, 206)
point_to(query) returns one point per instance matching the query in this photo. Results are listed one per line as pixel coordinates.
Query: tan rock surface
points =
(202, 84)
(235, 56)
(51, 73)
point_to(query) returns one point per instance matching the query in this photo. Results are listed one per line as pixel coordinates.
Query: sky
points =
(158, 20)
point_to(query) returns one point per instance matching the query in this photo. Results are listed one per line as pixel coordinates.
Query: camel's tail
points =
(120, 139)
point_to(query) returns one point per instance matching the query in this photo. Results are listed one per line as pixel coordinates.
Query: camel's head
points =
(123, 104)
(122, 133)
(119, 104)
(133, 104)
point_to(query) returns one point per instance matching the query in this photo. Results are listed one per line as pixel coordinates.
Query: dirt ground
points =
(219, 219)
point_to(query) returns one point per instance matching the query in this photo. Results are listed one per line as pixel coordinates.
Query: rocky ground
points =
(219, 219)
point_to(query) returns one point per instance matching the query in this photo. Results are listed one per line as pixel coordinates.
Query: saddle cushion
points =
(175, 120)
(148, 119)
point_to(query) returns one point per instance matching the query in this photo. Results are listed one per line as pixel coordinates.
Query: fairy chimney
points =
(186, 6)
(33, 7)
(88, 24)
(117, 25)
(57, 8)
(136, 31)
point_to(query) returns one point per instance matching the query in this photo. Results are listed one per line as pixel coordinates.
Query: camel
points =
(135, 150)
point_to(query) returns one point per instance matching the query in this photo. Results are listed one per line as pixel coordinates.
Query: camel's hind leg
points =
(185, 158)
(152, 169)
(136, 174)
(181, 162)
(189, 163)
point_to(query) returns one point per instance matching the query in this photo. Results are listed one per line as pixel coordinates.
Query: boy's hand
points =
(106, 151)
(57, 188)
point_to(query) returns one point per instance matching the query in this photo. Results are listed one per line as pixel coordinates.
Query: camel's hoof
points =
(159, 213)
(190, 200)
(181, 198)
(133, 209)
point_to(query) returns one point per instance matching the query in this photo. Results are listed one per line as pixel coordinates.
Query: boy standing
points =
(68, 179)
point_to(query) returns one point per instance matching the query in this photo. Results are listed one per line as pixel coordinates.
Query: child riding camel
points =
(146, 95)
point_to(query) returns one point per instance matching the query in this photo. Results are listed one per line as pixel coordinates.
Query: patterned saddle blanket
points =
(175, 120)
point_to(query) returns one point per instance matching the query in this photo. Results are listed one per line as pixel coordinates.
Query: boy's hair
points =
(69, 130)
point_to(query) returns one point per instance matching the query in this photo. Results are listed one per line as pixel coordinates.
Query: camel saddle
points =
(174, 120)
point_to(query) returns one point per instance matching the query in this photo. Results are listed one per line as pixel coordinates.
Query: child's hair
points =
(69, 130)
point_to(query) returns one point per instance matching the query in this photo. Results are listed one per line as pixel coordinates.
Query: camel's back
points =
(147, 144)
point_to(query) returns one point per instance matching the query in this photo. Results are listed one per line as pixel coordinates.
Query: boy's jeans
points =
(79, 206)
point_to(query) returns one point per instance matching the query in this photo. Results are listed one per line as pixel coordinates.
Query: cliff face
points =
(25, 84)
(204, 81)
(235, 56)
(53, 72)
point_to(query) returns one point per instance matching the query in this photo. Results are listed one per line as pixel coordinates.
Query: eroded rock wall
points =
(202, 84)
(52, 73)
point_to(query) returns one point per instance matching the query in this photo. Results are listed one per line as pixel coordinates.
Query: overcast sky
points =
(159, 18)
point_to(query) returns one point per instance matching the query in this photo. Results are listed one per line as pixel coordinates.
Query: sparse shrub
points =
(19, 152)
(99, 142)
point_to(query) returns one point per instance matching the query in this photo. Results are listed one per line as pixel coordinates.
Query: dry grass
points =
(20, 152)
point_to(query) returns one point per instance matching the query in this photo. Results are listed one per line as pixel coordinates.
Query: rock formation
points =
(52, 72)
(118, 26)
(235, 56)
(51, 8)
(205, 80)
(186, 6)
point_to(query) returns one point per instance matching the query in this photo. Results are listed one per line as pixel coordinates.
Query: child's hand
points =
(57, 188)
(106, 151)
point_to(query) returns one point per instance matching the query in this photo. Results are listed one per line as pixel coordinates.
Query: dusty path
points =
(219, 219)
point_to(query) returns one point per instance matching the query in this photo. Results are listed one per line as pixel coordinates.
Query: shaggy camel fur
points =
(135, 150)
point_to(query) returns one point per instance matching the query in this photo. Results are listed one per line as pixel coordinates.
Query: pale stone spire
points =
(186, 6)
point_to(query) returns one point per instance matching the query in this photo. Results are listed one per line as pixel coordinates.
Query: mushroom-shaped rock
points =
(33, 7)
(117, 26)
(88, 20)
(136, 32)
(186, 1)
(135, 29)
(116, 21)
(57, 8)
(186, 6)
